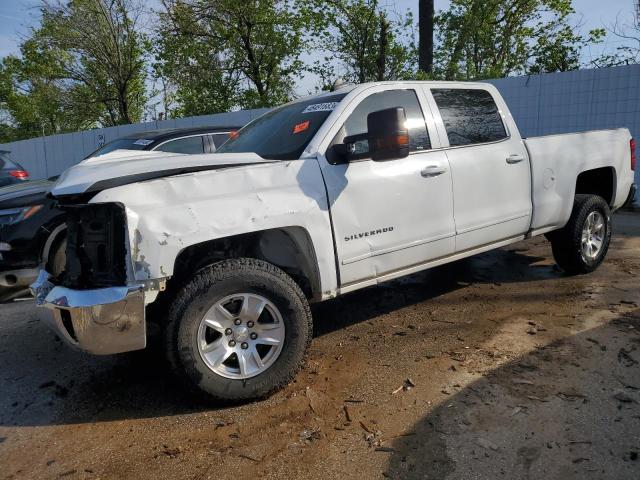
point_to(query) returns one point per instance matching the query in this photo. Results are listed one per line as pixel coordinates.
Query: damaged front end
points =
(90, 305)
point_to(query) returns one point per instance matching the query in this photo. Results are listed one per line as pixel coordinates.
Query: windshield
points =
(283, 133)
(122, 144)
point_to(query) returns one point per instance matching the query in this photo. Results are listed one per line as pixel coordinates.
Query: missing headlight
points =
(96, 247)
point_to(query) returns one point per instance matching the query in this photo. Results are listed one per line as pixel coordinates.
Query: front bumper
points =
(102, 321)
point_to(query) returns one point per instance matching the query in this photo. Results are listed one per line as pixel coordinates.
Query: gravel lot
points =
(494, 367)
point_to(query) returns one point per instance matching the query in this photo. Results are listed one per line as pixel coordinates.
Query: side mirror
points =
(387, 134)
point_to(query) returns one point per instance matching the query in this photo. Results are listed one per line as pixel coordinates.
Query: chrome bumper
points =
(102, 321)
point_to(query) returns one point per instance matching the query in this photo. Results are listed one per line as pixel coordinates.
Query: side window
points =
(219, 138)
(469, 116)
(357, 121)
(189, 145)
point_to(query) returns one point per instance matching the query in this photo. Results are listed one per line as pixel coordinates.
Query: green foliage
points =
(624, 54)
(85, 64)
(33, 95)
(496, 38)
(222, 54)
(82, 67)
(100, 53)
(363, 43)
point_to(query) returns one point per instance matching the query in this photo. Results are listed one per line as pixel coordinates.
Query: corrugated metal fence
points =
(541, 104)
(575, 101)
(44, 157)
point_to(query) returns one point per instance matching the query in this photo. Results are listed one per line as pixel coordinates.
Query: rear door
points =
(489, 166)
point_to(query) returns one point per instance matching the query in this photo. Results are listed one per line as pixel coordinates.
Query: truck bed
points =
(557, 160)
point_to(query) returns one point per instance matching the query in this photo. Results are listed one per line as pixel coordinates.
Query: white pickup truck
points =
(328, 194)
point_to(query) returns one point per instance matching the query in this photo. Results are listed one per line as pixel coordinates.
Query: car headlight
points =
(15, 215)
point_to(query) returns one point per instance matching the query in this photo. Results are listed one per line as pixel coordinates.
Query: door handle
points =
(515, 158)
(432, 171)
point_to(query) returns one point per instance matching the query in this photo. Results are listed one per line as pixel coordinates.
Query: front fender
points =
(167, 215)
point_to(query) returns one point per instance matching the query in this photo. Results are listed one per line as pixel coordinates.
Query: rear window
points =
(6, 163)
(469, 115)
(188, 145)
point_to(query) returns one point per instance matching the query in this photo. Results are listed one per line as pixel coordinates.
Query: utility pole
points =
(425, 28)
(383, 44)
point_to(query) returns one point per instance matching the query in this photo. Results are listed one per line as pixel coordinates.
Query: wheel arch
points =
(289, 248)
(598, 181)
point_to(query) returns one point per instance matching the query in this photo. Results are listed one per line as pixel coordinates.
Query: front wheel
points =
(239, 330)
(581, 246)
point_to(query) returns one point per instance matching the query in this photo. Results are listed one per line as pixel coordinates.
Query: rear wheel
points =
(581, 246)
(239, 330)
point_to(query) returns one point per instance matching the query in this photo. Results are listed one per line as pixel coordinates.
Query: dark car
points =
(10, 171)
(32, 226)
(179, 140)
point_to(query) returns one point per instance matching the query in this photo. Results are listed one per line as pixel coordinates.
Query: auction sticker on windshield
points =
(320, 107)
(301, 127)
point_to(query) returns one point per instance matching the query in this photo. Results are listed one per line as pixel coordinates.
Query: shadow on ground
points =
(570, 409)
(496, 267)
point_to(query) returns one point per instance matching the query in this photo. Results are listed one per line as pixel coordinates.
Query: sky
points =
(17, 15)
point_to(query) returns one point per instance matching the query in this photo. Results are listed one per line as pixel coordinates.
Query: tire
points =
(230, 284)
(567, 243)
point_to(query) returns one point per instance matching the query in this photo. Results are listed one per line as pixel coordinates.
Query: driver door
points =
(389, 215)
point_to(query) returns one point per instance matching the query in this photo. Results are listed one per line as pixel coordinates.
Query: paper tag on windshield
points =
(320, 107)
(143, 141)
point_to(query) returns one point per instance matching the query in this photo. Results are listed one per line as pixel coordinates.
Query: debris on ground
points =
(407, 385)
(624, 397)
(486, 444)
(624, 357)
(310, 434)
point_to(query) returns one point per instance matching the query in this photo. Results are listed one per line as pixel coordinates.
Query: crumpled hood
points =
(118, 168)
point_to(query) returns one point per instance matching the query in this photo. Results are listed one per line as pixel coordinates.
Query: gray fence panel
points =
(575, 101)
(48, 156)
(541, 104)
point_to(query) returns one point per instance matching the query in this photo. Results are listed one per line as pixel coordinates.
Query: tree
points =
(33, 96)
(496, 38)
(99, 52)
(426, 15)
(628, 30)
(82, 67)
(198, 78)
(561, 51)
(363, 44)
(246, 52)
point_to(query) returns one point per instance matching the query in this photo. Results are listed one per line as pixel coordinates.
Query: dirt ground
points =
(494, 367)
